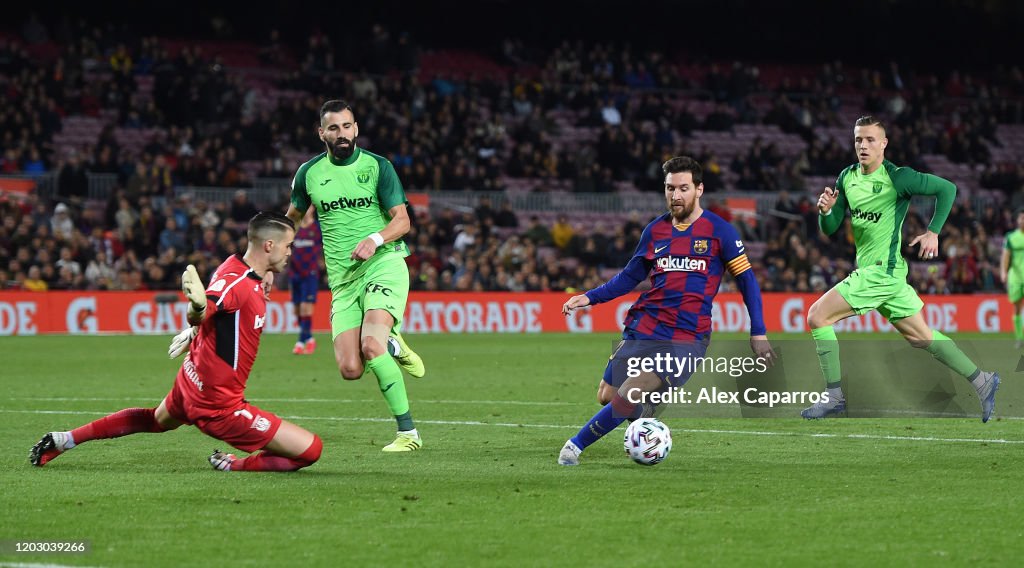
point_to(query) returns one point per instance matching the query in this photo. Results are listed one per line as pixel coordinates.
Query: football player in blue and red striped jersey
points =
(304, 278)
(684, 252)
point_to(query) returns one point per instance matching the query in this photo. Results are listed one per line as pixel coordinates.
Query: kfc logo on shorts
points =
(261, 424)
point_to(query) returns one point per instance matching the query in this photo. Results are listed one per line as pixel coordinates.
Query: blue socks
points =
(305, 328)
(607, 419)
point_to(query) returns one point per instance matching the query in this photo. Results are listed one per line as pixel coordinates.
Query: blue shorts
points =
(672, 361)
(304, 288)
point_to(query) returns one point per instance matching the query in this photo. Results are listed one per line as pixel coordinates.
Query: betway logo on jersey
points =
(345, 203)
(870, 216)
(682, 264)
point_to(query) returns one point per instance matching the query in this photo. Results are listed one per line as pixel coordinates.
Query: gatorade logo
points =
(345, 203)
(870, 216)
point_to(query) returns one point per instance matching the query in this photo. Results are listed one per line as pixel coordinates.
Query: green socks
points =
(827, 346)
(943, 349)
(392, 386)
(1018, 327)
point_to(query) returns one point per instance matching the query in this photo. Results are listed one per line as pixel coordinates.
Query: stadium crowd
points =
(462, 131)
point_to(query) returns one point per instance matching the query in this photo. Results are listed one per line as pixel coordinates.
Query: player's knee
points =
(605, 393)
(371, 348)
(351, 370)
(815, 317)
(312, 453)
(918, 342)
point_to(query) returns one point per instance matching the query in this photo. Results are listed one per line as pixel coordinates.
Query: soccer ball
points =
(648, 441)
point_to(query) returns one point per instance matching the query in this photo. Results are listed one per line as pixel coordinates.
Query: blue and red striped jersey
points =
(306, 251)
(685, 265)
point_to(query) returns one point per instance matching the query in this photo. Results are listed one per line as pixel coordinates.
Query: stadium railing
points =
(258, 196)
(102, 186)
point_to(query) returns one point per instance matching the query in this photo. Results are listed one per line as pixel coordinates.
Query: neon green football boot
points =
(405, 442)
(406, 357)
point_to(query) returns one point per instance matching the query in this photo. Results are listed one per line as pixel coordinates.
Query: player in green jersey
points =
(1011, 270)
(877, 194)
(363, 217)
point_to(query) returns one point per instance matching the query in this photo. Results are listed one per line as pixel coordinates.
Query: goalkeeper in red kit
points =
(209, 391)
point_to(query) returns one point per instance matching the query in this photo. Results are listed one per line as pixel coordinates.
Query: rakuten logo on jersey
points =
(870, 216)
(345, 203)
(682, 264)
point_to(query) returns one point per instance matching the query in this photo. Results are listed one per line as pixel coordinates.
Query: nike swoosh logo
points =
(387, 388)
(325, 182)
(657, 250)
(390, 307)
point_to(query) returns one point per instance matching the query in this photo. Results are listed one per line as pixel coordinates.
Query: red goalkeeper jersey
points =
(221, 356)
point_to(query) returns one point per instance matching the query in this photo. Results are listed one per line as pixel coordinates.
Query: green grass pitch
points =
(485, 490)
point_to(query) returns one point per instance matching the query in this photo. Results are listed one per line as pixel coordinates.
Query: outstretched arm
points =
(622, 283)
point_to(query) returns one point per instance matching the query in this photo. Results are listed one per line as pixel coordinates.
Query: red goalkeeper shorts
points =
(244, 426)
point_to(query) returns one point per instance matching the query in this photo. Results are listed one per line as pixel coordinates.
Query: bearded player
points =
(363, 216)
(685, 252)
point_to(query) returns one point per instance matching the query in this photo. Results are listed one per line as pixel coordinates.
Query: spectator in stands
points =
(241, 212)
(73, 182)
(61, 224)
(34, 282)
(562, 232)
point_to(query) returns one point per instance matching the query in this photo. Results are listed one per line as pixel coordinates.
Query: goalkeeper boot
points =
(222, 461)
(49, 447)
(405, 442)
(570, 454)
(824, 409)
(310, 346)
(299, 349)
(987, 394)
(406, 358)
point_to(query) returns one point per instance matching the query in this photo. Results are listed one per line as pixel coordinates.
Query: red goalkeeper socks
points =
(266, 461)
(121, 423)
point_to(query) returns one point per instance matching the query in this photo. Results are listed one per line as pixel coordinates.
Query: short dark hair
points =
(265, 222)
(869, 120)
(335, 105)
(684, 164)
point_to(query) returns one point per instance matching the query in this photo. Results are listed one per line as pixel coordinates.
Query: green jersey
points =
(352, 198)
(1015, 244)
(878, 204)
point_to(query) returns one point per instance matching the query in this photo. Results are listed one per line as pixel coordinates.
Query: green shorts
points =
(384, 286)
(1014, 289)
(870, 288)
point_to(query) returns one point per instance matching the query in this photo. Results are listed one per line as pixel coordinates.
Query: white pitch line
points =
(317, 400)
(37, 565)
(730, 406)
(567, 427)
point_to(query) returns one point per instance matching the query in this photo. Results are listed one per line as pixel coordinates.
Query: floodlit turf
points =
(485, 490)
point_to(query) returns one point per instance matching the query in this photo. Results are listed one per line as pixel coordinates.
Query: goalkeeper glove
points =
(181, 342)
(194, 290)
